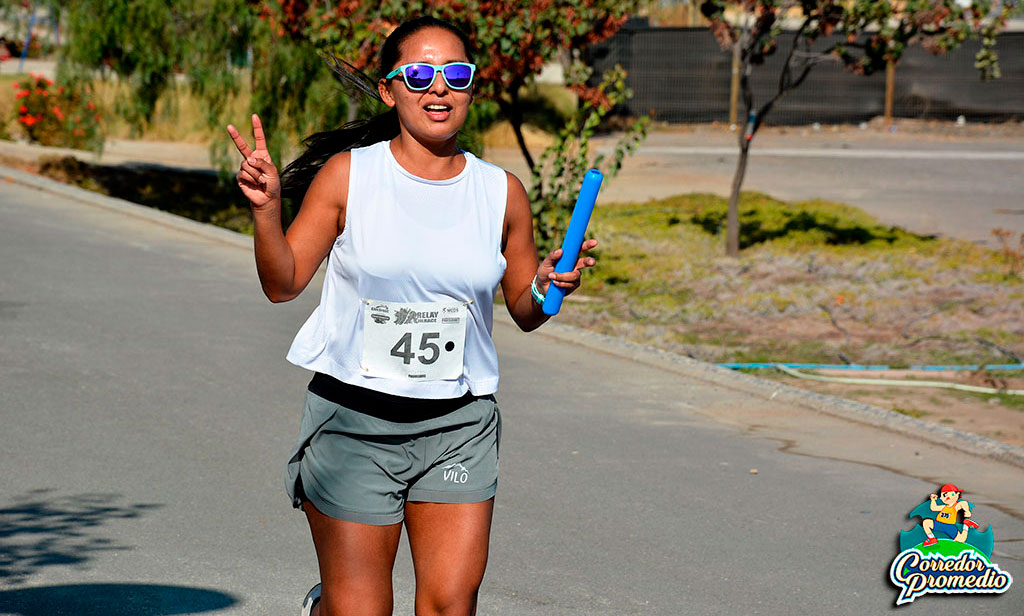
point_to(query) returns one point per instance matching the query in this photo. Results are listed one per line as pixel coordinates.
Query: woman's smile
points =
(438, 112)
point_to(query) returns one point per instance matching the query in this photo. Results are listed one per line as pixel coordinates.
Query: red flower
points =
(57, 112)
(17, 85)
(90, 106)
(22, 94)
(28, 120)
(78, 132)
(23, 109)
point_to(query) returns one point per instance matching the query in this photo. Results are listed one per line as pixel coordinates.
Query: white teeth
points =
(437, 108)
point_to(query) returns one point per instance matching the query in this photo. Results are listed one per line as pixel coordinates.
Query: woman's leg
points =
(449, 554)
(356, 561)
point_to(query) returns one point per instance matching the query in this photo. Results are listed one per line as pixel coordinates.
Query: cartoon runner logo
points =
(943, 556)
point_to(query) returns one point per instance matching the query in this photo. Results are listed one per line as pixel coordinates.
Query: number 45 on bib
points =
(414, 341)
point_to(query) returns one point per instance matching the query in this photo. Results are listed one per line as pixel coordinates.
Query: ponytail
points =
(320, 147)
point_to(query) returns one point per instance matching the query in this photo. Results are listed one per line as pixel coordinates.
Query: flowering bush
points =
(62, 117)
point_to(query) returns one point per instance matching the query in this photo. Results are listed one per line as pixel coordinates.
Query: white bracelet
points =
(535, 292)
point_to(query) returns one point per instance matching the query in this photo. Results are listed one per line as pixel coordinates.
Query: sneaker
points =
(927, 542)
(970, 524)
(312, 598)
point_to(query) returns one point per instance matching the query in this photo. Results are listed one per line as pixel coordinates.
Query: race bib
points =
(420, 341)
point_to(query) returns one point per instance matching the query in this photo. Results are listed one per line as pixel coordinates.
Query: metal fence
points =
(683, 75)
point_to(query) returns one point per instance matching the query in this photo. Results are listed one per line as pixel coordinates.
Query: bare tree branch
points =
(1002, 350)
(785, 83)
(832, 317)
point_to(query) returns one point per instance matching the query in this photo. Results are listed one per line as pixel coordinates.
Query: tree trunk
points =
(744, 133)
(732, 234)
(753, 123)
(514, 113)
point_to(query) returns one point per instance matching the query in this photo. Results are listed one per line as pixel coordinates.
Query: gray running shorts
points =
(360, 468)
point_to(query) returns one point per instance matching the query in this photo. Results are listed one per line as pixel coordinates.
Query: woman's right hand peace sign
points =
(258, 177)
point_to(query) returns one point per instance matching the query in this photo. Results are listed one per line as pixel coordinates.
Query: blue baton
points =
(574, 237)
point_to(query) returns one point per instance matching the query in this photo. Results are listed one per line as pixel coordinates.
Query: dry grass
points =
(895, 299)
(178, 116)
(501, 135)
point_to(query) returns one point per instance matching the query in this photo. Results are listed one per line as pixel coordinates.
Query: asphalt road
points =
(147, 411)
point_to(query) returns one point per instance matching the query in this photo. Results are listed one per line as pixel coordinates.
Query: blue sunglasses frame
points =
(437, 68)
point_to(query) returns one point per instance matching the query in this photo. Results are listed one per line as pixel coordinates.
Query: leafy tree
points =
(557, 175)
(863, 35)
(137, 41)
(143, 42)
(147, 44)
(514, 38)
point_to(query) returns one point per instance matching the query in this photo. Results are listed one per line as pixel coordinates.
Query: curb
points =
(843, 408)
(831, 405)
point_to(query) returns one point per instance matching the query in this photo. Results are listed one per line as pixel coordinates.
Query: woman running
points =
(400, 422)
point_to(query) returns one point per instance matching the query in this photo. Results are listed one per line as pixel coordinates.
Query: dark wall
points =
(683, 75)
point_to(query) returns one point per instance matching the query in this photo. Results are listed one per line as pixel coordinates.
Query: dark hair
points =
(320, 147)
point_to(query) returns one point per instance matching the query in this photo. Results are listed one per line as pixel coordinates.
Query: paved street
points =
(147, 410)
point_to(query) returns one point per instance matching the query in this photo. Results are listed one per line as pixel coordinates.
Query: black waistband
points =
(384, 406)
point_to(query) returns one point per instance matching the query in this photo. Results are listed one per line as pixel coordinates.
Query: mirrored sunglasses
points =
(420, 75)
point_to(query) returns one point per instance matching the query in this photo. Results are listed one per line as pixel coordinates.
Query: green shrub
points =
(763, 219)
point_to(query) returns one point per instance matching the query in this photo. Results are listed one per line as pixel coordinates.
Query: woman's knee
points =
(452, 602)
(355, 602)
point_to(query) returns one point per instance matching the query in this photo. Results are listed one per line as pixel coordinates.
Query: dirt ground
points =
(1000, 417)
(997, 417)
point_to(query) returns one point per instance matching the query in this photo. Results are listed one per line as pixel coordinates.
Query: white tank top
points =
(410, 240)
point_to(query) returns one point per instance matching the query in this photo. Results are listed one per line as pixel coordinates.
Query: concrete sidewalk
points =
(148, 409)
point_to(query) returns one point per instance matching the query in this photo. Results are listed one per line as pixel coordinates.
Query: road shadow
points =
(41, 529)
(198, 194)
(112, 600)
